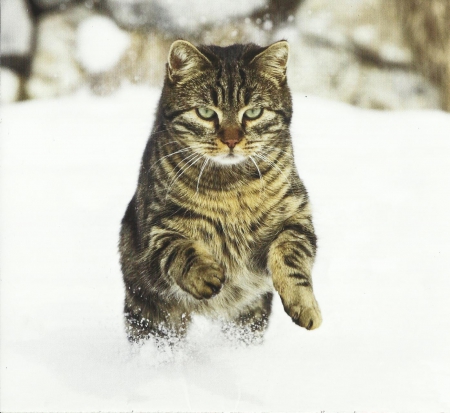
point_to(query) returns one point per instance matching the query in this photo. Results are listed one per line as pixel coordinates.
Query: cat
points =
(220, 216)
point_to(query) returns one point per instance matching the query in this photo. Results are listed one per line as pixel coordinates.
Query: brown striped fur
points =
(220, 216)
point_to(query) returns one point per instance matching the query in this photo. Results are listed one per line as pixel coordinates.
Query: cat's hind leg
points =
(249, 327)
(152, 319)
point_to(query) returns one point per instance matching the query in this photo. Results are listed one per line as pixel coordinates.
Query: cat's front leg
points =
(189, 264)
(290, 261)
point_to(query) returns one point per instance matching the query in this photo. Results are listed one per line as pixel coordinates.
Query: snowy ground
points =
(379, 184)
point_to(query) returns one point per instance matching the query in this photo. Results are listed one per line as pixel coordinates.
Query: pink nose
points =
(231, 143)
(231, 137)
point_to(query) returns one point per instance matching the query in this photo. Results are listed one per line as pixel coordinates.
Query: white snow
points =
(100, 44)
(379, 184)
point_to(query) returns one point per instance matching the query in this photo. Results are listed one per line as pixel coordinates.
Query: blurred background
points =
(379, 54)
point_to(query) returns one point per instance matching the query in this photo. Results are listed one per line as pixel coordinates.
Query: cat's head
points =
(227, 103)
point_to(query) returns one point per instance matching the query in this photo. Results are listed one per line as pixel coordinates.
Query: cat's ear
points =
(185, 61)
(272, 61)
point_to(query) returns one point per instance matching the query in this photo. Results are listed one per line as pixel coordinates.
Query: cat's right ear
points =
(272, 61)
(185, 61)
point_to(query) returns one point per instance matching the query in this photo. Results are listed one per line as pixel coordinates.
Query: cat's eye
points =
(205, 113)
(253, 113)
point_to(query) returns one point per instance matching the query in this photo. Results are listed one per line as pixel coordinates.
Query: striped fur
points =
(220, 216)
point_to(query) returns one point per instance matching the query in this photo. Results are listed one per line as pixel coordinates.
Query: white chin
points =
(229, 159)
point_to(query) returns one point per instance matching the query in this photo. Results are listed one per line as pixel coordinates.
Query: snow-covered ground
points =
(380, 189)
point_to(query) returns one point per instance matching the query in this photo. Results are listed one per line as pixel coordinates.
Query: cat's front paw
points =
(305, 315)
(310, 318)
(204, 279)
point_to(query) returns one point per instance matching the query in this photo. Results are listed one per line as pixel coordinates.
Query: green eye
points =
(205, 113)
(253, 113)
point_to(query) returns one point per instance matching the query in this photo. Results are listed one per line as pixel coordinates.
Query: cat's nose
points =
(231, 137)
(231, 143)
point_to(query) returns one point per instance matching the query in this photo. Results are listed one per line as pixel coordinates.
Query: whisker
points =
(192, 155)
(182, 171)
(264, 158)
(201, 171)
(176, 152)
(262, 186)
(170, 154)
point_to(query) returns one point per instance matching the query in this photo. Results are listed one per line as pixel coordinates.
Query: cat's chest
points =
(242, 225)
(234, 225)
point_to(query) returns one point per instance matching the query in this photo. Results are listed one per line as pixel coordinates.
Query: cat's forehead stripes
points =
(229, 89)
(224, 90)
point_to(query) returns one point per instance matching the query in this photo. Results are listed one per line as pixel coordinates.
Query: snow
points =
(379, 184)
(100, 44)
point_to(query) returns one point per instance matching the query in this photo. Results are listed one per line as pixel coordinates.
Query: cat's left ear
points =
(185, 61)
(273, 61)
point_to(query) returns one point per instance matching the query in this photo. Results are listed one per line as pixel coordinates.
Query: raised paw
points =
(310, 318)
(204, 279)
(305, 314)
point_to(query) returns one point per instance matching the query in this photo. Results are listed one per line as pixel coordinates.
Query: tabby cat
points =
(220, 216)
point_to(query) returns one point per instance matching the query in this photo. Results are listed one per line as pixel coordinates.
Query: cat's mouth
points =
(229, 153)
(229, 158)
